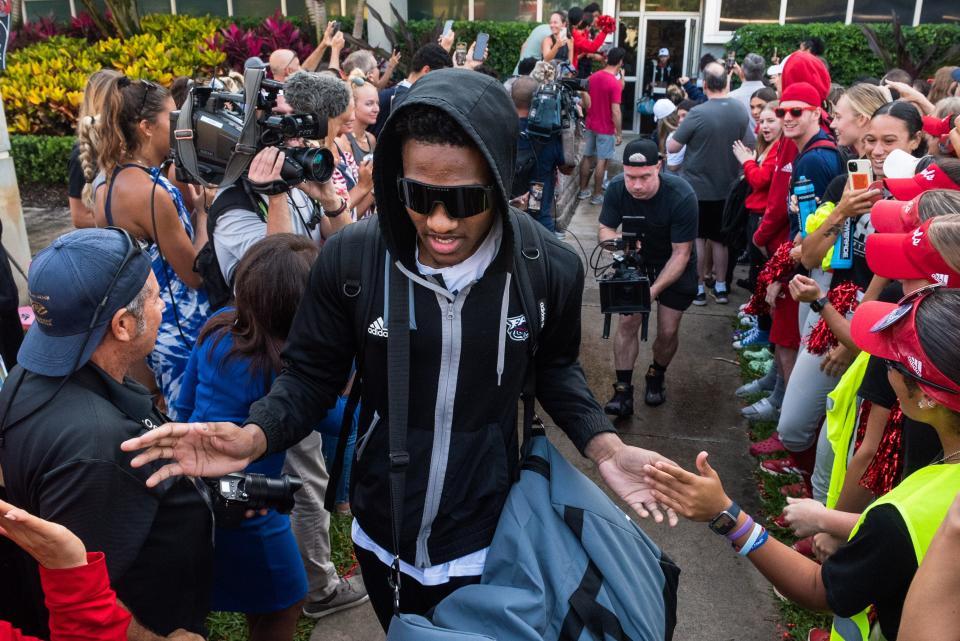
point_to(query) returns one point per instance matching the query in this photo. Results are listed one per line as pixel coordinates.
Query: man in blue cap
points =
(65, 410)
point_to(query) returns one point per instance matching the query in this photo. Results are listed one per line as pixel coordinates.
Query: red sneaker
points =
(771, 445)
(818, 634)
(796, 490)
(780, 466)
(805, 547)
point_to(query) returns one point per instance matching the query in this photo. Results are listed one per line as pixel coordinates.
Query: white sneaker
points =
(597, 200)
(749, 389)
(584, 194)
(762, 410)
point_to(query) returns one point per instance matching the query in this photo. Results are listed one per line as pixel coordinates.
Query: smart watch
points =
(819, 304)
(724, 522)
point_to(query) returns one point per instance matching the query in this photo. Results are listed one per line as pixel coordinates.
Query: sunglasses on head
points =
(148, 86)
(459, 201)
(133, 250)
(904, 306)
(796, 112)
(907, 372)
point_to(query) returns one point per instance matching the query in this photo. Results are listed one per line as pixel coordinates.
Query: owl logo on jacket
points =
(517, 328)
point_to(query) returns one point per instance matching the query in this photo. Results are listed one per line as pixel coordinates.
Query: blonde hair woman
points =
(82, 165)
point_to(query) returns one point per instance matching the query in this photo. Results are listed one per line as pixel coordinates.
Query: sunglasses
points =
(904, 306)
(148, 86)
(906, 371)
(133, 250)
(460, 201)
(796, 112)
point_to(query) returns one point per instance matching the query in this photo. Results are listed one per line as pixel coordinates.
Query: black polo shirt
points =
(61, 460)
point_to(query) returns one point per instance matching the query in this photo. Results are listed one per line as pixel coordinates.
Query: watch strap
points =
(819, 304)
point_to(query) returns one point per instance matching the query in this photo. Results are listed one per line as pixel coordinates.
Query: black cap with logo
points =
(641, 152)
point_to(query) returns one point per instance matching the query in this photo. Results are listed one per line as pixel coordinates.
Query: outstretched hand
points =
(196, 449)
(52, 545)
(698, 497)
(624, 472)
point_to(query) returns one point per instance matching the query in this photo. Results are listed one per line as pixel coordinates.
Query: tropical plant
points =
(904, 56)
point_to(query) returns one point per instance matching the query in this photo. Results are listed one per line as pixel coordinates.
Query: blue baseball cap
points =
(68, 280)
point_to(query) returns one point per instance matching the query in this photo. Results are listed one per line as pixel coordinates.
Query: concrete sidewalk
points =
(722, 597)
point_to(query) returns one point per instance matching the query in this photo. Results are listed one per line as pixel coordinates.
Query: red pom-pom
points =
(605, 23)
(843, 298)
(884, 471)
(778, 267)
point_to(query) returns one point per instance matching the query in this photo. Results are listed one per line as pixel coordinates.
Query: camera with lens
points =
(236, 493)
(624, 283)
(216, 134)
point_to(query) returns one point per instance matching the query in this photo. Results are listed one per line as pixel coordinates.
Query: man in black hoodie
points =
(443, 166)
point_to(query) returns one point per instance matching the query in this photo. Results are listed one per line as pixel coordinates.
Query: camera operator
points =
(537, 159)
(666, 236)
(67, 407)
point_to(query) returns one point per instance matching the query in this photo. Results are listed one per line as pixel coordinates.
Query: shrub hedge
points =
(847, 52)
(506, 38)
(41, 159)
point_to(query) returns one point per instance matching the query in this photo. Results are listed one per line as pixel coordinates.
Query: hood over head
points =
(481, 107)
(802, 66)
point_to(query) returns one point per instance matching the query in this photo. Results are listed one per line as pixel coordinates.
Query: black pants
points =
(414, 598)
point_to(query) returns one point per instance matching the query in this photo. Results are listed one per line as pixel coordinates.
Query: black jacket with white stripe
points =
(468, 354)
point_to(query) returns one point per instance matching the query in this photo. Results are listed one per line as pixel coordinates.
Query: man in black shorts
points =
(666, 235)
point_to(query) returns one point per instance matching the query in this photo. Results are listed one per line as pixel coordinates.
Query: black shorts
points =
(710, 220)
(678, 299)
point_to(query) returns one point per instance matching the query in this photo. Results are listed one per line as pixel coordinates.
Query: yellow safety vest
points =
(922, 499)
(842, 422)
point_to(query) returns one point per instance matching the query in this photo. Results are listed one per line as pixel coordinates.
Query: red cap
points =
(930, 178)
(889, 330)
(909, 256)
(896, 216)
(801, 92)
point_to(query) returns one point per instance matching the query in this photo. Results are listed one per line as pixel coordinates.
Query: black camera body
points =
(236, 493)
(625, 286)
(213, 132)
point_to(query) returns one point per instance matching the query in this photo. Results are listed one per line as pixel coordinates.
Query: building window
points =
(254, 8)
(59, 10)
(799, 11)
(940, 11)
(738, 13)
(432, 9)
(202, 7)
(673, 5)
(145, 7)
(882, 10)
(524, 10)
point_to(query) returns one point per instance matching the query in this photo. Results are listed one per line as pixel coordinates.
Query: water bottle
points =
(806, 201)
(843, 249)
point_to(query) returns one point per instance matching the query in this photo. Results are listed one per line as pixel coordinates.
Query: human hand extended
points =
(837, 360)
(52, 545)
(824, 545)
(337, 42)
(196, 449)
(624, 470)
(328, 33)
(683, 80)
(911, 95)
(698, 497)
(856, 202)
(365, 178)
(804, 516)
(773, 293)
(804, 289)
(446, 40)
(394, 59)
(742, 152)
(323, 193)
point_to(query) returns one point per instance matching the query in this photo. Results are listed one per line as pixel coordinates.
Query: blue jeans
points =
(329, 428)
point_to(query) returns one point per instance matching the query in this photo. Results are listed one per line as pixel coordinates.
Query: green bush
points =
(506, 38)
(41, 159)
(847, 52)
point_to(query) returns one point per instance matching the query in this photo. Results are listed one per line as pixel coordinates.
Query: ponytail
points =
(88, 141)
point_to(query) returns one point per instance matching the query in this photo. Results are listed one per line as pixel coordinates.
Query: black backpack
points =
(546, 111)
(360, 263)
(236, 196)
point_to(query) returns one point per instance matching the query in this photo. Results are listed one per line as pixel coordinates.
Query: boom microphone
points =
(316, 93)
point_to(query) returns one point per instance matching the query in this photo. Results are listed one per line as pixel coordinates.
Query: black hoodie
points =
(467, 352)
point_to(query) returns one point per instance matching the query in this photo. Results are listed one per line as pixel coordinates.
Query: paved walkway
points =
(721, 596)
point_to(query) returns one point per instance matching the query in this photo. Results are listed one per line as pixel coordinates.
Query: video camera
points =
(236, 493)
(624, 283)
(216, 134)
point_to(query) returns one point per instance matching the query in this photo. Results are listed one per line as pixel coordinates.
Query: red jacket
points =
(583, 44)
(759, 175)
(82, 606)
(774, 229)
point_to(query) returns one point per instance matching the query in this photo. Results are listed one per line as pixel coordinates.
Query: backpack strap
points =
(358, 262)
(530, 270)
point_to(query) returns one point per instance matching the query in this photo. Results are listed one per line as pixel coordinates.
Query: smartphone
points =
(861, 173)
(480, 48)
(447, 26)
(460, 55)
(367, 158)
(563, 33)
(336, 27)
(731, 60)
